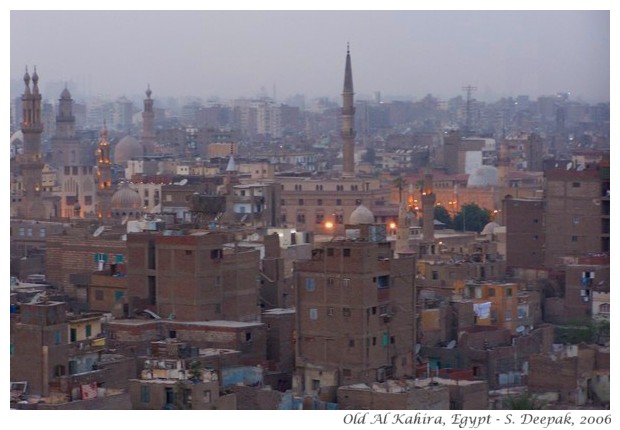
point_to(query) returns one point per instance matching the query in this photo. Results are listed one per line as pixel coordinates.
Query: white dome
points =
(484, 176)
(361, 215)
(490, 228)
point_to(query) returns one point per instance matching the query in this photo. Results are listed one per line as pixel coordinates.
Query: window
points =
(346, 373)
(89, 330)
(22, 231)
(216, 254)
(300, 202)
(319, 202)
(574, 238)
(330, 282)
(392, 340)
(346, 252)
(98, 295)
(29, 232)
(206, 396)
(374, 341)
(310, 284)
(319, 218)
(351, 343)
(42, 232)
(604, 308)
(282, 202)
(508, 315)
(330, 311)
(346, 282)
(248, 336)
(145, 393)
(509, 292)
(314, 314)
(576, 184)
(435, 275)
(57, 337)
(330, 252)
(316, 384)
(346, 312)
(491, 292)
(338, 202)
(301, 218)
(188, 252)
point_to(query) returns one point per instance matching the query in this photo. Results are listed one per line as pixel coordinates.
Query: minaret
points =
(104, 176)
(30, 161)
(402, 231)
(348, 115)
(148, 124)
(428, 209)
(503, 165)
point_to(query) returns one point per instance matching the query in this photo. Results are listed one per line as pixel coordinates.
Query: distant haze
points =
(230, 54)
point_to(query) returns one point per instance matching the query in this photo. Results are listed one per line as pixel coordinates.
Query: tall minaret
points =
(348, 114)
(104, 176)
(30, 161)
(402, 231)
(428, 209)
(148, 124)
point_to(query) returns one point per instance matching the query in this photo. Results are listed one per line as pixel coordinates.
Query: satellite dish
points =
(182, 182)
(99, 230)
(569, 165)
(451, 344)
(520, 329)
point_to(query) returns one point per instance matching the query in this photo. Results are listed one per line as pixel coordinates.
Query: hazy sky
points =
(236, 53)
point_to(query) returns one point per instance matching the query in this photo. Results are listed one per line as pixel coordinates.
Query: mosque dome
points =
(483, 176)
(361, 215)
(126, 201)
(126, 149)
(17, 138)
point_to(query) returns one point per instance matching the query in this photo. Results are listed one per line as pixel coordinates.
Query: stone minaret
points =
(503, 165)
(428, 209)
(104, 176)
(348, 115)
(30, 161)
(148, 124)
(402, 231)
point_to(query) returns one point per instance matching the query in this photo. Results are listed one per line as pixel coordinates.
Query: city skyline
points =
(491, 50)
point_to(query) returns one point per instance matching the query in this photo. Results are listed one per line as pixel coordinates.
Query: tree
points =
(524, 401)
(441, 214)
(400, 183)
(471, 218)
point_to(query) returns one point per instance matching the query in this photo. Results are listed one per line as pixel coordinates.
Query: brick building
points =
(577, 213)
(355, 315)
(193, 277)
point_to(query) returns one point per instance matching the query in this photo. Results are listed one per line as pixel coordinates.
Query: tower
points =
(402, 230)
(348, 115)
(148, 126)
(30, 162)
(104, 176)
(428, 209)
(74, 162)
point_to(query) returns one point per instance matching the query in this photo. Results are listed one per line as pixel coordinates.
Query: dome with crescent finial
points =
(361, 215)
